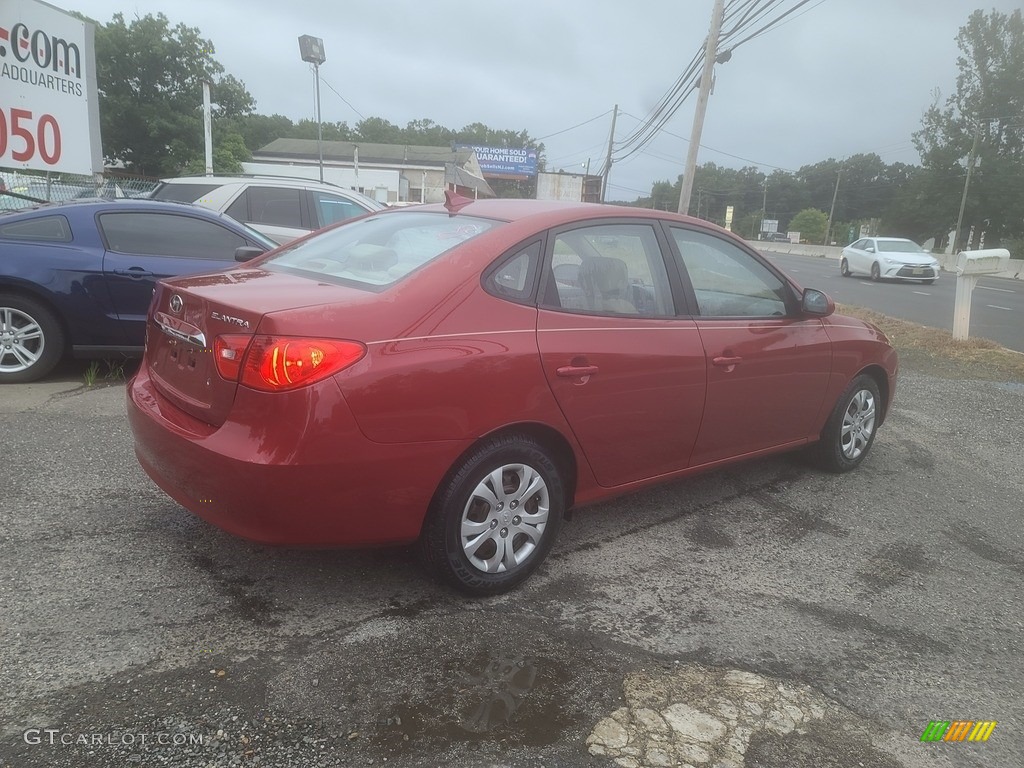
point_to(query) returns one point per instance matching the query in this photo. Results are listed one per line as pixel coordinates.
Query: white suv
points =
(279, 207)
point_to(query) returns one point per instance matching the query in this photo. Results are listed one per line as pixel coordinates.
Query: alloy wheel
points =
(21, 340)
(858, 424)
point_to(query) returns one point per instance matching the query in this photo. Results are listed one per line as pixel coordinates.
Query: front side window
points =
(378, 251)
(615, 269)
(168, 234)
(727, 281)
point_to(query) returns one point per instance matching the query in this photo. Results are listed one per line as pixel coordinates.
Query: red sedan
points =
(460, 375)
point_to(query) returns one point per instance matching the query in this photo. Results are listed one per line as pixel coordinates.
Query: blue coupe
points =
(78, 276)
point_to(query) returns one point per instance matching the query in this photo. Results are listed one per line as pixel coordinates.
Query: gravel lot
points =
(766, 616)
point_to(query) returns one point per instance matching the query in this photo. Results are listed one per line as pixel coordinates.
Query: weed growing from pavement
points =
(115, 370)
(91, 373)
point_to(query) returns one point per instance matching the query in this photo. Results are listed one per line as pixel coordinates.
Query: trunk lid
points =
(188, 314)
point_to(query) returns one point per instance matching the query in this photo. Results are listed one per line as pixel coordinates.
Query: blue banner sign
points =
(505, 161)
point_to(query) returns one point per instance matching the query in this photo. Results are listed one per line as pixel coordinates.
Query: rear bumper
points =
(288, 469)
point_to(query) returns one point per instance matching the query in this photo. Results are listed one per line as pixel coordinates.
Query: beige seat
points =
(605, 284)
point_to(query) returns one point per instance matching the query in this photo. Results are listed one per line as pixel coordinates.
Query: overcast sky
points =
(842, 78)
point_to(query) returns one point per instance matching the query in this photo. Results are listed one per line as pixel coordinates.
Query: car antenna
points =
(454, 202)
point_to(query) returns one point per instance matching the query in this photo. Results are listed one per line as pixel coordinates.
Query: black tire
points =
(929, 282)
(454, 560)
(844, 268)
(837, 451)
(18, 313)
(876, 273)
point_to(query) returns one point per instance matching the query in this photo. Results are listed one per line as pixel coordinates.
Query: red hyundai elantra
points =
(460, 375)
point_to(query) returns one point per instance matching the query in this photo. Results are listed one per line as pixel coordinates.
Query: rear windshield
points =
(183, 193)
(381, 250)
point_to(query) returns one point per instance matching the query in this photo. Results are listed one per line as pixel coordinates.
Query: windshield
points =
(899, 246)
(379, 250)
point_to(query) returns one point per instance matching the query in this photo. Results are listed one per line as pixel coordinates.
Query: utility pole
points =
(608, 159)
(710, 49)
(764, 206)
(832, 210)
(967, 183)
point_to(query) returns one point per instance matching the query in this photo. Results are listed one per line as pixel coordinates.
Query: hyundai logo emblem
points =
(176, 303)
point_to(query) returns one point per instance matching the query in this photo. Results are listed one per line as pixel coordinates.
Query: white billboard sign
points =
(49, 104)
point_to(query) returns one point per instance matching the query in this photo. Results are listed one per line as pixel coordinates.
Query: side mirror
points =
(817, 303)
(247, 252)
(870, 249)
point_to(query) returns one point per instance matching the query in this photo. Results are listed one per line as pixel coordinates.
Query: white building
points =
(390, 173)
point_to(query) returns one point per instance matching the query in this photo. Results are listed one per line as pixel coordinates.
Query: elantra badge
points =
(229, 319)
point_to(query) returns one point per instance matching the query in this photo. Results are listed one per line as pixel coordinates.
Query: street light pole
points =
(312, 51)
(319, 124)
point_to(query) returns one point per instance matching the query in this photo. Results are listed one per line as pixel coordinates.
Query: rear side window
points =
(381, 250)
(168, 234)
(183, 193)
(515, 276)
(610, 269)
(53, 229)
(277, 206)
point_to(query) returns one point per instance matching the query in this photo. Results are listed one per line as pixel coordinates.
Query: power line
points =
(361, 115)
(574, 127)
(722, 152)
(749, 13)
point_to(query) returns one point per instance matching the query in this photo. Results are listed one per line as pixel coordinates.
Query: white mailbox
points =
(970, 265)
(986, 262)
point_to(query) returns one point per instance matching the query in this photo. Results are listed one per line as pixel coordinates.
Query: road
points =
(997, 306)
(765, 616)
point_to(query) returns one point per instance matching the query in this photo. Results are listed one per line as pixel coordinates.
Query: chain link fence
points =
(20, 189)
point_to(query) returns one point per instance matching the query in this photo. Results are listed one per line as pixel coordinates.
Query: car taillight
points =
(228, 352)
(279, 363)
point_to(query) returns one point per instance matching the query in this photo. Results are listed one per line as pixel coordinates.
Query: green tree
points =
(377, 130)
(810, 223)
(984, 113)
(427, 133)
(307, 129)
(259, 130)
(150, 78)
(229, 152)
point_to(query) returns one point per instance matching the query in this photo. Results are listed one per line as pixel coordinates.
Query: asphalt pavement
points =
(766, 616)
